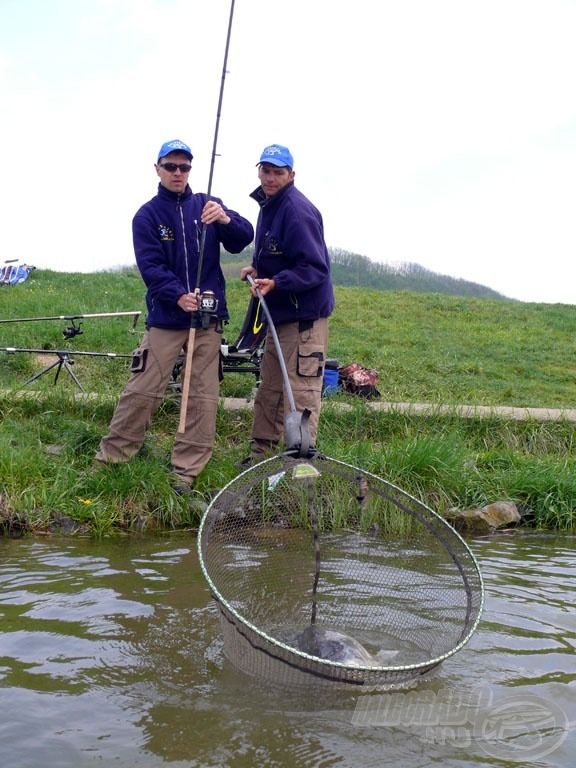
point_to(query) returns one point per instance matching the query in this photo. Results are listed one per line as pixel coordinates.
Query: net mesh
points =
(293, 546)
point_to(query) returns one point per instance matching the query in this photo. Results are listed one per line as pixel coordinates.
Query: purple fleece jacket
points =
(167, 233)
(290, 248)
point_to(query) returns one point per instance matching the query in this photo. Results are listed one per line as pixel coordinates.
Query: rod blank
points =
(61, 352)
(73, 317)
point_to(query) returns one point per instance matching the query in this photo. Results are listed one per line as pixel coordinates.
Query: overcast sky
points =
(438, 132)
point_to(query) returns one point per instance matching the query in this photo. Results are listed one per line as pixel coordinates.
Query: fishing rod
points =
(135, 315)
(208, 303)
(75, 330)
(216, 130)
(12, 350)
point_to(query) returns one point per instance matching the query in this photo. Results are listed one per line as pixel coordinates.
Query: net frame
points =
(259, 650)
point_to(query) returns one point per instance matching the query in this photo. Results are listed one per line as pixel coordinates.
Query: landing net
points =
(325, 574)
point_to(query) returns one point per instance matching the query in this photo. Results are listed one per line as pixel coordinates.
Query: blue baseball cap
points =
(174, 146)
(275, 154)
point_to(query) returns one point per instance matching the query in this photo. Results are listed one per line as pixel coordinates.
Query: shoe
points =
(96, 467)
(181, 487)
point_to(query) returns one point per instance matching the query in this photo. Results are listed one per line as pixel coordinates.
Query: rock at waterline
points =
(500, 514)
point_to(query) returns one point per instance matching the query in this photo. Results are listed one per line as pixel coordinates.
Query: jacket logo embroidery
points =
(165, 232)
(273, 246)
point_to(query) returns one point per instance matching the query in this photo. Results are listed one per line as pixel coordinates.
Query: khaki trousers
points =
(145, 391)
(304, 354)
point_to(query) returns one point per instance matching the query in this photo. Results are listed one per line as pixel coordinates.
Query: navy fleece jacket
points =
(290, 248)
(167, 233)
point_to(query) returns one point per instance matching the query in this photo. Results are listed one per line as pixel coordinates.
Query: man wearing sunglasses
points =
(168, 234)
(291, 270)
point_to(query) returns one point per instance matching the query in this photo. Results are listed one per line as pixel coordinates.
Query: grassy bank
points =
(426, 348)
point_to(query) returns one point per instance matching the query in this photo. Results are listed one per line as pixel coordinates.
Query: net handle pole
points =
(281, 360)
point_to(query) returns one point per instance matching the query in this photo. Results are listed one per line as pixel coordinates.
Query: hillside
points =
(355, 271)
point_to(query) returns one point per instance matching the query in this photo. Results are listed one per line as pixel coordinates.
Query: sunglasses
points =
(173, 167)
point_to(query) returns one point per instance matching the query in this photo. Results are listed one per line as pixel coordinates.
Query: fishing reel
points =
(208, 306)
(72, 330)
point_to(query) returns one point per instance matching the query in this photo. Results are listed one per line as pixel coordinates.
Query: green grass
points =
(431, 348)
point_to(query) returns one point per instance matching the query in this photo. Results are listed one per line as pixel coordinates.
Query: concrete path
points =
(463, 411)
(430, 409)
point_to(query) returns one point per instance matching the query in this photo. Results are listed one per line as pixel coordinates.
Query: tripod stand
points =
(64, 361)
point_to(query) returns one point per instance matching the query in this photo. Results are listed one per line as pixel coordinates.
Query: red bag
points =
(357, 380)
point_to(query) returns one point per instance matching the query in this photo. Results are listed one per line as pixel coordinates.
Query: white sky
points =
(439, 132)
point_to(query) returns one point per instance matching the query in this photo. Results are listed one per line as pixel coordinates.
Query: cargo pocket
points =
(311, 361)
(139, 358)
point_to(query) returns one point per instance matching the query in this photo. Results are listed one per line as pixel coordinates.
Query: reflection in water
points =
(110, 654)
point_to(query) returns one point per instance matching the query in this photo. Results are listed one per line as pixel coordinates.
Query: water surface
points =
(111, 655)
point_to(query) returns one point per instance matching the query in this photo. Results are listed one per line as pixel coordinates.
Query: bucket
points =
(330, 377)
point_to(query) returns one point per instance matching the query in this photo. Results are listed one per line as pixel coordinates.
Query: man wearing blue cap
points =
(167, 233)
(291, 269)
